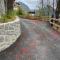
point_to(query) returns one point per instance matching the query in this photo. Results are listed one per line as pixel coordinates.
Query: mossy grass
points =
(9, 16)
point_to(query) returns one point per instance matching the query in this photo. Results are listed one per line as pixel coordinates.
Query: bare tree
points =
(48, 6)
(42, 3)
(58, 9)
(53, 5)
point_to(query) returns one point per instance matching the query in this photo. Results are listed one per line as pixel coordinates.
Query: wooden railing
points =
(55, 23)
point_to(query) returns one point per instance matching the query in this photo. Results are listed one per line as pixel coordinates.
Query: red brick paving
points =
(37, 42)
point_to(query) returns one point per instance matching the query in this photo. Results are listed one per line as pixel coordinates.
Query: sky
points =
(33, 4)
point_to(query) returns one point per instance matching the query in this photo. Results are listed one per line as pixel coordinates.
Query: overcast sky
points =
(32, 4)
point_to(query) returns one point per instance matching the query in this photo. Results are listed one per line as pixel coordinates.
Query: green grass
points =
(8, 17)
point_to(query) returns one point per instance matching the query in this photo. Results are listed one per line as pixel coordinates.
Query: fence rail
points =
(55, 23)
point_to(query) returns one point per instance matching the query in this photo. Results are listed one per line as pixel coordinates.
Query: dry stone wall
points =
(9, 32)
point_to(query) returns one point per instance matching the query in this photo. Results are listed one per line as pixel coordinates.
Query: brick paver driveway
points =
(37, 42)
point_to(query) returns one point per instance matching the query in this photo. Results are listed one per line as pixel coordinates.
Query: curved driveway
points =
(37, 42)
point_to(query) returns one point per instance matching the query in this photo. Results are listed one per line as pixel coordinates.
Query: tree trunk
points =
(10, 5)
(58, 9)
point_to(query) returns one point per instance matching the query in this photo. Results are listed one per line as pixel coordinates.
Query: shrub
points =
(20, 12)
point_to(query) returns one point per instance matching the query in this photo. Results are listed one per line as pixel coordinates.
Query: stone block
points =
(1, 26)
(7, 27)
(14, 25)
(10, 38)
(17, 22)
(2, 32)
(10, 32)
(11, 27)
(1, 38)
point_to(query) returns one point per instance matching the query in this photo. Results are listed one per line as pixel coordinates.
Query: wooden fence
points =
(55, 23)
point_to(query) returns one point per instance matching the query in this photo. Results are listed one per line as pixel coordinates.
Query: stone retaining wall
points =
(9, 32)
